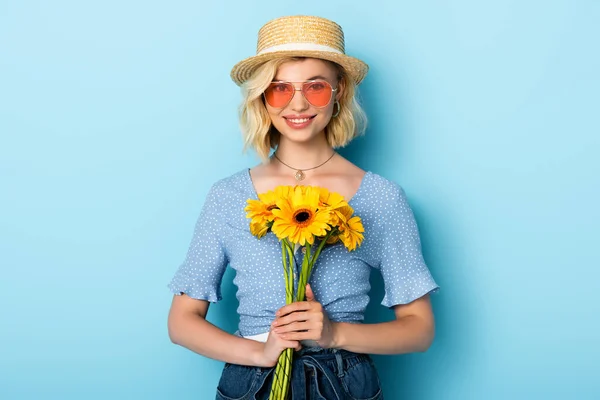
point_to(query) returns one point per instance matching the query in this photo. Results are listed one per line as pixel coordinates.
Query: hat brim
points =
(355, 68)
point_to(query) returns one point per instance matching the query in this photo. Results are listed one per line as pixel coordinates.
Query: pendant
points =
(299, 175)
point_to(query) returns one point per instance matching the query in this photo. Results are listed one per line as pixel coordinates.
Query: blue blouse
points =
(340, 279)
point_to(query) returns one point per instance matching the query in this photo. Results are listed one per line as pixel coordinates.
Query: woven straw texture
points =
(300, 29)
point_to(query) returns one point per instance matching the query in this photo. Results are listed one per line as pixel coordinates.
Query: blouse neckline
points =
(352, 199)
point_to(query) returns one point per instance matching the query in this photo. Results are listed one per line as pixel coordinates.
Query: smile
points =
(299, 119)
(299, 123)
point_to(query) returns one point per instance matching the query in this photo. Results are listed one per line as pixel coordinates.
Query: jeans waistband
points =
(320, 352)
(311, 359)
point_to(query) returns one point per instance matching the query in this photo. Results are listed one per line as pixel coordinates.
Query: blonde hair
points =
(256, 125)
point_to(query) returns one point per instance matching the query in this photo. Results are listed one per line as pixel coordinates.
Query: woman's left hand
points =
(305, 320)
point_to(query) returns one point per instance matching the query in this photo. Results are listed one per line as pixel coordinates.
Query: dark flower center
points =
(302, 216)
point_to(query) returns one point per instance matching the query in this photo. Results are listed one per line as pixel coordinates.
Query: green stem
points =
(288, 373)
(275, 386)
(275, 393)
(310, 260)
(290, 278)
(304, 274)
(281, 381)
(285, 270)
(283, 367)
(321, 245)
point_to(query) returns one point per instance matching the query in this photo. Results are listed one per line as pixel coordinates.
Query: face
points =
(299, 120)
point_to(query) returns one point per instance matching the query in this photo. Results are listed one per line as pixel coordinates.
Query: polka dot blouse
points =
(340, 279)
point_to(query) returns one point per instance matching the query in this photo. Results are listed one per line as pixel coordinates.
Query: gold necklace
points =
(300, 172)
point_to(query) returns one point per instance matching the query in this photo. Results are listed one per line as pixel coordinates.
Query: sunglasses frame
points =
(333, 90)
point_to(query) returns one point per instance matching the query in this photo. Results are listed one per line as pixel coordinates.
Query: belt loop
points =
(340, 363)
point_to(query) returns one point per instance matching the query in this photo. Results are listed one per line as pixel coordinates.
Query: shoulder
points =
(230, 191)
(232, 184)
(384, 190)
(385, 201)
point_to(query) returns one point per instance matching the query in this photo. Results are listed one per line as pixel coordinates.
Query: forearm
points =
(197, 334)
(409, 334)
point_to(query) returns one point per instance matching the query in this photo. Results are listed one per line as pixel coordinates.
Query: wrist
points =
(337, 335)
(257, 355)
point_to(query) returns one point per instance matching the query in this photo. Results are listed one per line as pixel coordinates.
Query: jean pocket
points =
(361, 381)
(240, 382)
(237, 381)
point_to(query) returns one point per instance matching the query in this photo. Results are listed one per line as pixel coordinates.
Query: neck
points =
(304, 155)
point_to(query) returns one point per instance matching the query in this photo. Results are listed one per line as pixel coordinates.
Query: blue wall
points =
(115, 118)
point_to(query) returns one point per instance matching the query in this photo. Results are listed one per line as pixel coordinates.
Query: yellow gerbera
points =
(332, 200)
(261, 211)
(351, 228)
(259, 229)
(298, 216)
(333, 239)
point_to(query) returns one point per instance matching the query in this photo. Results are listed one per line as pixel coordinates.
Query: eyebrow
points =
(309, 79)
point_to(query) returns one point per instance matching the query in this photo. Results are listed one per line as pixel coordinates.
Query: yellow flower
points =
(298, 216)
(259, 229)
(332, 200)
(351, 228)
(261, 211)
(333, 239)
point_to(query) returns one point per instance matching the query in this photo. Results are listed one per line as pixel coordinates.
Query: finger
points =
(281, 341)
(290, 308)
(293, 317)
(298, 346)
(287, 343)
(310, 296)
(290, 344)
(309, 335)
(297, 326)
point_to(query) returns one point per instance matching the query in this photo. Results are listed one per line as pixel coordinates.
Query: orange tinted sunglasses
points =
(317, 92)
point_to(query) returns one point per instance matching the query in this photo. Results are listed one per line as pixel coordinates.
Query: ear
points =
(341, 87)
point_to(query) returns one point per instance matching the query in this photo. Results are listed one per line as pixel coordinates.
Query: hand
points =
(305, 320)
(273, 347)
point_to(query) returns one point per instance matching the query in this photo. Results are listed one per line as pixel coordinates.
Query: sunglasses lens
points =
(317, 93)
(279, 94)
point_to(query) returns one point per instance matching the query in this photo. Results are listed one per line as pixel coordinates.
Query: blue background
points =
(115, 118)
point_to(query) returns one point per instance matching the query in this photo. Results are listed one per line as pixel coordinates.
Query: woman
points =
(299, 99)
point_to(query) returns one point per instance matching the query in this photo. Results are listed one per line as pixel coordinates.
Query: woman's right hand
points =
(273, 348)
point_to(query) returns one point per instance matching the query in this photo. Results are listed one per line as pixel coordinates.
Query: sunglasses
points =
(317, 93)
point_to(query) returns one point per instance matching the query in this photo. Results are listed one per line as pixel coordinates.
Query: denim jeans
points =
(322, 374)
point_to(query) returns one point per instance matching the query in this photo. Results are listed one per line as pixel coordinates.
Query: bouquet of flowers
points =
(307, 216)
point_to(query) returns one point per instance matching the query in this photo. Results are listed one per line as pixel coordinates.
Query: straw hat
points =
(300, 36)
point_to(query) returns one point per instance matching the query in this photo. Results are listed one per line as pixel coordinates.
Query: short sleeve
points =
(405, 275)
(200, 275)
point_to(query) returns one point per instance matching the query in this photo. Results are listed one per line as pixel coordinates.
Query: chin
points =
(300, 135)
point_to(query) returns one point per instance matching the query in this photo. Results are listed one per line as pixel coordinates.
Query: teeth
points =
(299, 121)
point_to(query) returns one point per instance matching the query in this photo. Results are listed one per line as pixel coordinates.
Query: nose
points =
(298, 102)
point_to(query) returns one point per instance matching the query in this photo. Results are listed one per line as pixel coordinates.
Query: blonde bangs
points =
(255, 123)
